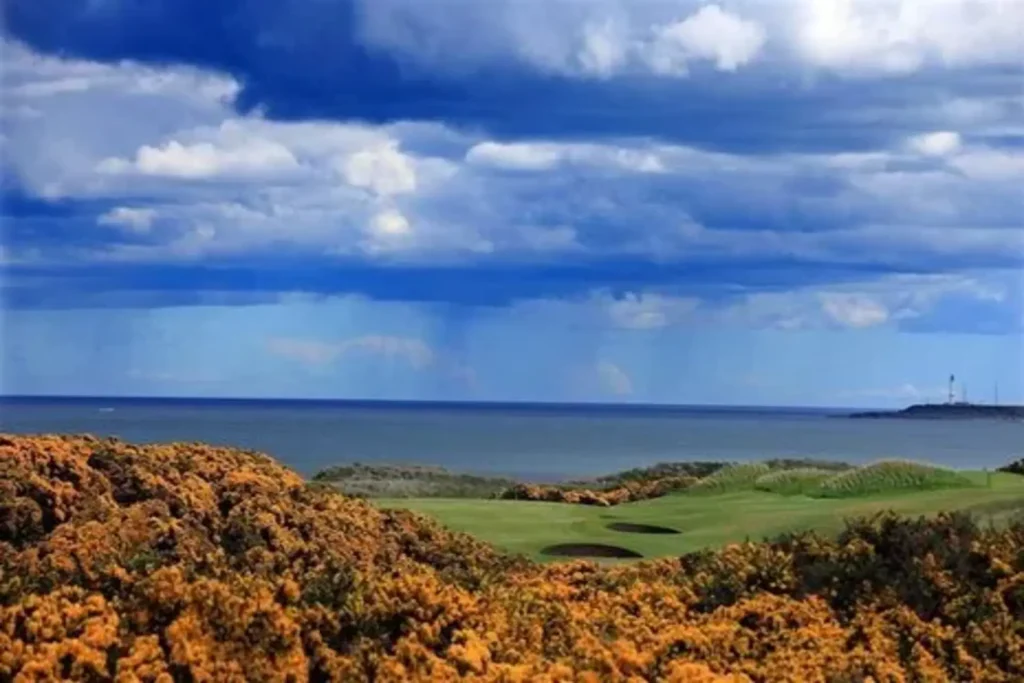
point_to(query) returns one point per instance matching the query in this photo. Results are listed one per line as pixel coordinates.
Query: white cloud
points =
(390, 223)
(647, 311)
(515, 156)
(414, 352)
(597, 39)
(546, 156)
(206, 160)
(888, 300)
(854, 310)
(388, 231)
(352, 189)
(383, 169)
(605, 48)
(134, 219)
(985, 164)
(613, 379)
(604, 38)
(937, 144)
(709, 34)
(28, 75)
(902, 36)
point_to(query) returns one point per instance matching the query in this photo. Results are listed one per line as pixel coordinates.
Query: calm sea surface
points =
(534, 442)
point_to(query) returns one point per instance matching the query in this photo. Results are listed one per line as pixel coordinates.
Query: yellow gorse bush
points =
(627, 492)
(187, 562)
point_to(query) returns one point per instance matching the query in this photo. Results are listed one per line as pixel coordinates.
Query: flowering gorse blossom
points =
(187, 562)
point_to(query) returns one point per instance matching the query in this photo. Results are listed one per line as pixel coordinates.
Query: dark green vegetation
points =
(1015, 467)
(409, 481)
(427, 481)
(948, 411)
(697, 468)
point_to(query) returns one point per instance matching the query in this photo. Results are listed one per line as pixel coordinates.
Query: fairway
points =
(703, 520)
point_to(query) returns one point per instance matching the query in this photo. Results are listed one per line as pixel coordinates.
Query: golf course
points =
(186, 561)
(712, 516)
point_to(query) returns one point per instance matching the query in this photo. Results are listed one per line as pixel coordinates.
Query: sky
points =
(794, 202)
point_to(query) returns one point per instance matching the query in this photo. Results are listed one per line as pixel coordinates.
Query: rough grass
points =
(795, 482)
(739, 477)
(889, 475)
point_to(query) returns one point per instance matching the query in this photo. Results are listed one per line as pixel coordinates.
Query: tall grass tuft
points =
(795, 482)
(889, 475)
(738, 477)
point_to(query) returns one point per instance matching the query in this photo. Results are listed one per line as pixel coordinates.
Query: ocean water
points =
(536, 442)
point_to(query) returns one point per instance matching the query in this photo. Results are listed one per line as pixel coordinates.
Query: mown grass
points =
(708, 521)
(890, 475)
(794, 482)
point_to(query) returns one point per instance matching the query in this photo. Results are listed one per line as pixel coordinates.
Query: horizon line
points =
(442, 402)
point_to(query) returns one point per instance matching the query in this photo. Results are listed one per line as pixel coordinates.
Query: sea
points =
(534, 442)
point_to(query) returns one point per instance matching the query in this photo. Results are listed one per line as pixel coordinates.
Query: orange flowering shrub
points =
(187, 562)
(627, 492)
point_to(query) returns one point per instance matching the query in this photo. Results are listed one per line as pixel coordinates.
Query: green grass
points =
(800, 481)
(737, 477)
(890, 475)
(706, 520)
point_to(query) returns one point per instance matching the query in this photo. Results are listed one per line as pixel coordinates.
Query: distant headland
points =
(948, 411)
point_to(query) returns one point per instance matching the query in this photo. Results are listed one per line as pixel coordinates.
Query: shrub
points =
(186, 562)
(793, 482)
(739, 477)
(626, 493)
(1015, 467)
(807, 463)
(662, 470)
(890, 475)
(408, 481)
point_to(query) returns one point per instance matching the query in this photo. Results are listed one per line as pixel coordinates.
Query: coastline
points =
(946, 411)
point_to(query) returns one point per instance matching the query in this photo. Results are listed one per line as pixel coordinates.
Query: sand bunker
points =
(631, 528)
(589, 550)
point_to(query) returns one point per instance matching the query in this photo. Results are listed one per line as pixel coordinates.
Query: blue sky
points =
(798, 202)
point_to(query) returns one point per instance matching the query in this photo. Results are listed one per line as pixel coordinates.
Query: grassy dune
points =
(890, 476)
(732, 478)
(801, 481)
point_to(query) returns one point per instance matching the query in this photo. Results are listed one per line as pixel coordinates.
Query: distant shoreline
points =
(946, 411)
(423, 404)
